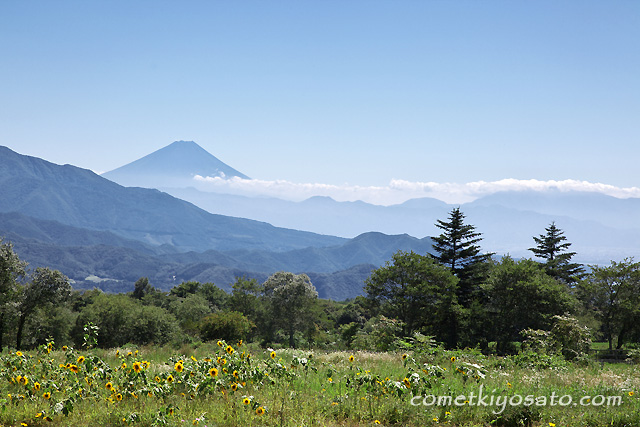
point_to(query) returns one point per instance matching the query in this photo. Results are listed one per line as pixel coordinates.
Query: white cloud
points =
(398, 191)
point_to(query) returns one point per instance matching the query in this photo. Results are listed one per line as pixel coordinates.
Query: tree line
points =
(458, 295)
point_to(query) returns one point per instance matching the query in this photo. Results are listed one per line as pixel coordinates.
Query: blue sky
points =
(331, 92)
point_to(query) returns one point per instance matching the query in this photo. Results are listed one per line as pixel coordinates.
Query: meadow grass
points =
(238, 385)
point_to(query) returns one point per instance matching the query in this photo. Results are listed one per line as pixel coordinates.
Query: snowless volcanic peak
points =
(173, 165)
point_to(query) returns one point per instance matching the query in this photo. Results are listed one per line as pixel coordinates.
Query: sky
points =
(343, 94)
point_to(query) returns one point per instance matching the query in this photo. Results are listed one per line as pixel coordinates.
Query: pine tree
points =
(553, 248)
(457, 248)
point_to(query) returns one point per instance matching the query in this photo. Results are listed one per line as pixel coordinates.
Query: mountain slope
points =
(80, 198)
(173, 165)
(102, 259)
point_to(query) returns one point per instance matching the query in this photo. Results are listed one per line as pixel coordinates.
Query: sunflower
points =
(145, 364)
(631, 394)
(213, 372)
(273, 354)
(179, 367)
(64, 348)
(229, 350)
(170, 379)
(137, 366)
(118, 397)
(74, 369)
(453, 359)
(109, 386)
(22, 380)
(406, 382)
(351, 358)
(80, 359)
(124, 365)
(223, 361)
(234, 386)
(259, 410)
(47, 395)
(235, 374)
(404, 356)
(36, 386)
(19, 353)
(220, 344)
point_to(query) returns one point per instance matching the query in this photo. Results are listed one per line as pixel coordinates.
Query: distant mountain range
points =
(102, 234)
(106, 235)
(601, 228)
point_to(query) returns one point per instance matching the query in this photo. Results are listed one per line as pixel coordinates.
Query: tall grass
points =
(260, 387)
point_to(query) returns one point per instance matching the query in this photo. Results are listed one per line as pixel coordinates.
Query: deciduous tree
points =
(613, 293)
(12, 271)
(290, 298)
(45, 287)
(418, 291)
(521, 296)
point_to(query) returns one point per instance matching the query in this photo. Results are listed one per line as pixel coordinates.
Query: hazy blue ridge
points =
(80, 198)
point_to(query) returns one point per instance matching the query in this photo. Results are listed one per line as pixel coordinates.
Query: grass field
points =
(231, 384)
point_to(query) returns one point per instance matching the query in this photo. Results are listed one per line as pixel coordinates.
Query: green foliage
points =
(379, 333)
(290, 298)
(190, 310)
(122, 320)
(141, 288)
(419, 292)
(225, 325)
(567, 337)
(552, 247)
(613, 294)
(45, 287)
(457, 248)
(520, 296)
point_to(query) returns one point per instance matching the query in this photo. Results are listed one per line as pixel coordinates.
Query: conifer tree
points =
(457, 248)
(553, 247)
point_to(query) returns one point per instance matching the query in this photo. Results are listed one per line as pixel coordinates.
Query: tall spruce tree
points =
(457, 248)
(553, 247)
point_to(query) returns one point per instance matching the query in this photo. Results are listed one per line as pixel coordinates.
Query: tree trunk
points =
(21, 321)
(292, 343)
(1, 330)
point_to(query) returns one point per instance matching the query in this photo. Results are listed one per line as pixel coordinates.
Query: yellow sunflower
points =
(259, 410)
(179, 367)
(213, 372)
(137, 366)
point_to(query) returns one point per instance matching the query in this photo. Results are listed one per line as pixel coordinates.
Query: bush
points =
(225, 325)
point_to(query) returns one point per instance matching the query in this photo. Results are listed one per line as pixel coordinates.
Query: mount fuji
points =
(172, 166)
